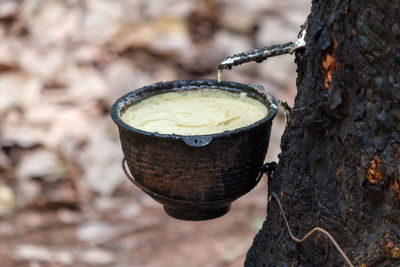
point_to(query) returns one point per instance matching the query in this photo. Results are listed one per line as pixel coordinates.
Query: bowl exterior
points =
(226, 168)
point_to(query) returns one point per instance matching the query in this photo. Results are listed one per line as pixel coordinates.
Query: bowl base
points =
(196, 214)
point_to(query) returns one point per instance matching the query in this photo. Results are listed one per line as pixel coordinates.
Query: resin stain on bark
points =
(374, 170)
(395, 252)
(391, 249)
(395, 185)
(329, 64)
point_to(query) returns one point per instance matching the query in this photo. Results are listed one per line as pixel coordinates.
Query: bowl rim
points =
(193, 84)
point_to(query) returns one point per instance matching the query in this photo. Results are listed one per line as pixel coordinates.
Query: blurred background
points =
(64, 200)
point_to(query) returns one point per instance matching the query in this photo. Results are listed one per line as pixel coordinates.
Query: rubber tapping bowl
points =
(195, 177)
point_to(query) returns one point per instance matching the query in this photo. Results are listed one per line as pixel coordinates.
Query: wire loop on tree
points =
(316, 229)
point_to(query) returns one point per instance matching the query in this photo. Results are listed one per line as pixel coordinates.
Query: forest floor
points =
(64, 200)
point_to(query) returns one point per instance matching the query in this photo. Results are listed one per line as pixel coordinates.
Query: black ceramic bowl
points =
(195, 177)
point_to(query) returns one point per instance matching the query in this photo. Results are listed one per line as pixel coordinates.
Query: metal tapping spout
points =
(259, 55)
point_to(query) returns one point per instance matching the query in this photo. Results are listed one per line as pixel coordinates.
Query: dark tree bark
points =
(340, 163)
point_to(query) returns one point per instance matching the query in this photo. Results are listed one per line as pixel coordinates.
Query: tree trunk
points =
(340, 163)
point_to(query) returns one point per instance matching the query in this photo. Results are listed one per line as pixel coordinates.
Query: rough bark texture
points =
(340, 163)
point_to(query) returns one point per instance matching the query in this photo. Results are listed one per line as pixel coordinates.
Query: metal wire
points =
(286, 110)
(323, 231)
